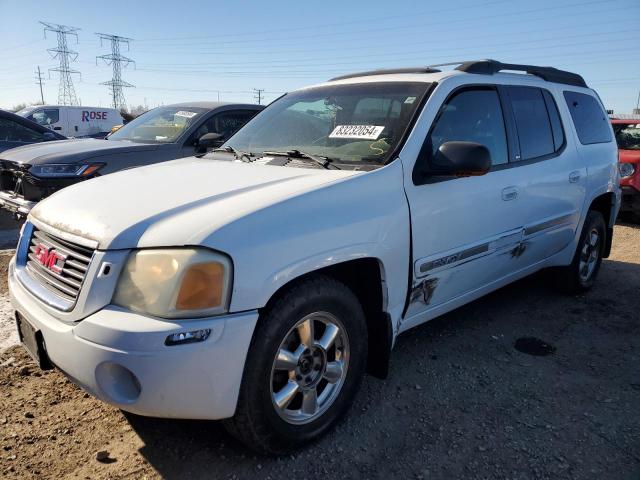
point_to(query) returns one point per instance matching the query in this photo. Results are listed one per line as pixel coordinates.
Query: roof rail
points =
(387, 72)
(550, 74)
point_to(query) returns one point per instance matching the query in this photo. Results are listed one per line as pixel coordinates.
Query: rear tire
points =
(580, 275)
(305, 365)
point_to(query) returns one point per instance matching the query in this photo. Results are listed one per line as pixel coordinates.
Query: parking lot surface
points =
(460, 402)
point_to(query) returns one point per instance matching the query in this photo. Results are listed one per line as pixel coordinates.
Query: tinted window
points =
(14, 132)
(532, 122)
(225, 123)
(554, 118)
(472, 116)
(589, 118)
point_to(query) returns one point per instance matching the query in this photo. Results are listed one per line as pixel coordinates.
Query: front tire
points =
(305, 364)
(581, 274)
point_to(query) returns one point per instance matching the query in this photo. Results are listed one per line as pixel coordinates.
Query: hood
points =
(173, 203)
(71, 151)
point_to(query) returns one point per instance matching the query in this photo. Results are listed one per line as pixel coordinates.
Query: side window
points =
(14, 132)
(46, 117)
(225, 123)
(473, 116)
(554, 118)
(589, 118)
(532, 122)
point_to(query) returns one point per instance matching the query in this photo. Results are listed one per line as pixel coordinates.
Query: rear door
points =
(548, 173)
(464, 230)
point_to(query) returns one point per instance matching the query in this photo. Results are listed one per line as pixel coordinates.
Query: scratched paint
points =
(519, 249)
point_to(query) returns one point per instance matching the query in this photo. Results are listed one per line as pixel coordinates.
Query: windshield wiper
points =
(239, 154)
(323, 161)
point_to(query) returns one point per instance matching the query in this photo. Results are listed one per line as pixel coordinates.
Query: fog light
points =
(626, 169)
(187, 337)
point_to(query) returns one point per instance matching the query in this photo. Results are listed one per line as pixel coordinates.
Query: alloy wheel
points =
(310, 368)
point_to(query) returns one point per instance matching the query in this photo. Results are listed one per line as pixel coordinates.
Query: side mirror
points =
(47, 136)
(207, 141)
(460, 159)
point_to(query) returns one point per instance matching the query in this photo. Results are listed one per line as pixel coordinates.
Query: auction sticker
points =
(183, 113)
(366, 132)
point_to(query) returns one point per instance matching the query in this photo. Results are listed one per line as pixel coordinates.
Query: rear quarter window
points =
(589, 118)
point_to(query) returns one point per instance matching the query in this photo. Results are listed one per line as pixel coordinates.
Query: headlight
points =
(626, 169)
(65, 169)
(175, 283)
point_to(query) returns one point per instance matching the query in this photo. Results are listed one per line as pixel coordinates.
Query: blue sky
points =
(192, 50)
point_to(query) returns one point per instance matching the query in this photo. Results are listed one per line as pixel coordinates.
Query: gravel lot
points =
(460, 402)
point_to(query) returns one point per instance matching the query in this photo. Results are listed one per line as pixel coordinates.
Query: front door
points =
(464, 230)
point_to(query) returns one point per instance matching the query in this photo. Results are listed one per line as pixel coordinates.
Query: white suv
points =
(259, 283)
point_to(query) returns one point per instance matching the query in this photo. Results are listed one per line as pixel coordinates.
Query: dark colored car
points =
(16, 131)
(627, 133)
(30, 173)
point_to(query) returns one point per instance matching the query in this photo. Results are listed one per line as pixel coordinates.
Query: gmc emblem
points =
(49, 258)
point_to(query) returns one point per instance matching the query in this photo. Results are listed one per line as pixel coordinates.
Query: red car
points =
(628, 137)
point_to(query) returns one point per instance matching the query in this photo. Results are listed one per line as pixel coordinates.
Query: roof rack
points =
(550, 74)
(387, 72)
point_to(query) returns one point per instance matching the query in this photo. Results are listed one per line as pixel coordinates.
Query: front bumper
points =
(121, 357)
(15, 204)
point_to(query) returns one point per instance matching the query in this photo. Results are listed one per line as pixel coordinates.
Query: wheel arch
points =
(366, 278)
(606, 205)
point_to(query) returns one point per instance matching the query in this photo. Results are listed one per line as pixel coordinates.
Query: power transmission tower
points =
(39, 81)
(66, 92)
(116, 84)
(258, 94)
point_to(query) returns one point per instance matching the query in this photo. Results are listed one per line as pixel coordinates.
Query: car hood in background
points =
(180, 202)
(71, 151)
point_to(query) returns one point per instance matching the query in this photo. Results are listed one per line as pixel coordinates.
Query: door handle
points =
(509, 193)
(57, 128)
(574, 176)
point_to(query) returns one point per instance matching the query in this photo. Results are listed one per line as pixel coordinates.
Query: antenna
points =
(116, 84)
(66, 92)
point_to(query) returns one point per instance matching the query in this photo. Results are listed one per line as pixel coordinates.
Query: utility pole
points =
(116, 84)
(39, 81)
(258, 94)
(66, 92)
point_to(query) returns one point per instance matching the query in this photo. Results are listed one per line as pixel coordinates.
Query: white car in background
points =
(258, 283)
(72, 121)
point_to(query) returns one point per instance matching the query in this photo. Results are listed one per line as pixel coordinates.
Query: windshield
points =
(627, 135)
(160, 125)
(356, 123)
(25, 111)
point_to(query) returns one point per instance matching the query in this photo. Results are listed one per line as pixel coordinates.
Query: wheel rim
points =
(310, 368)
(589, 255)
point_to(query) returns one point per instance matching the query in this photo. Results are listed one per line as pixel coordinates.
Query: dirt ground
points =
(460, 402)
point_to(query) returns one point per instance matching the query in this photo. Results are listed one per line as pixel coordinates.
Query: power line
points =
(376, 31)
(116, 84)
(39, 81)
(66, 92)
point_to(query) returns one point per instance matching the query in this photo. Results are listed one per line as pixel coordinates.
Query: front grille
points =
(67, 282)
